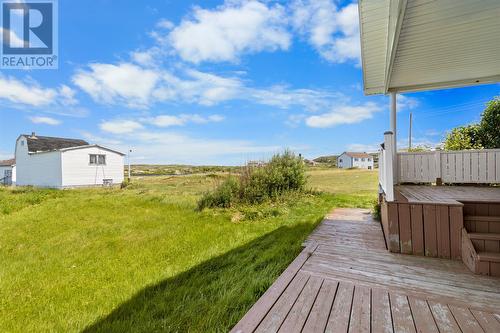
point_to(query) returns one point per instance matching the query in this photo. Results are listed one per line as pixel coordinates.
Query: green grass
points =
(178, 169)
(142, 259)
(355, 182)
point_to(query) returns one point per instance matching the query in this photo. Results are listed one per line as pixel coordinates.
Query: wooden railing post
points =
(388, 166)
(439, 171)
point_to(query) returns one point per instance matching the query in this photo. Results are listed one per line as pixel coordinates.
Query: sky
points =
(217, 82)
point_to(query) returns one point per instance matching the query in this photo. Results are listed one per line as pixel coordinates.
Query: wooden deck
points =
(346, 281)
(450, 195)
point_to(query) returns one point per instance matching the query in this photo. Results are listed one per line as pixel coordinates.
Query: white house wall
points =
(43, 169)
(346, 161)
(363, 164)
(77, 171)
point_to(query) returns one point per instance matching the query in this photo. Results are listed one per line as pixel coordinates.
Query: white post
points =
(438, 167)
(394, 136)
(129, 151)
(409, 132)
(389, 172)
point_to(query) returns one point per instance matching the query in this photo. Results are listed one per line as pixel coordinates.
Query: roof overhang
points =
(413, 45)
(93, 146)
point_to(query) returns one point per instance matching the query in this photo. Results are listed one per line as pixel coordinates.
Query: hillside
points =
(329, 159)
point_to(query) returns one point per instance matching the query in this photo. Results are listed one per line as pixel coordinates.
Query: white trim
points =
(392, 47)
(91, 146)
(443, 85)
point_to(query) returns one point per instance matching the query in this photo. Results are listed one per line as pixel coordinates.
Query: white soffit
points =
(437, 44)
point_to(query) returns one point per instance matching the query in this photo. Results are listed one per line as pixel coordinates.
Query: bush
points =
(376, 212)
(223, 196)
(478, 136)
(464, 137)
(284, 173)
(490, 124)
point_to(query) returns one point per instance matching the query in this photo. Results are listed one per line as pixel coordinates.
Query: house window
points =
(369, 160)
(356, 159)
(363, 159)
(340, 160)
(97, 159)
(22, 142)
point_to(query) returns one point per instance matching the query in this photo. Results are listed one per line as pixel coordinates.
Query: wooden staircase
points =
(481, 244)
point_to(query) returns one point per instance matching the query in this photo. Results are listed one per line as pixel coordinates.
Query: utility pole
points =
(409, 136)
(129, 151)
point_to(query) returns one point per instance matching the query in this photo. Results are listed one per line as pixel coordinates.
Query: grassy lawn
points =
(142, 259)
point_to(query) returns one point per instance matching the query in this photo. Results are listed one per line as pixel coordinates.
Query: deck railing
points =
(462, 166)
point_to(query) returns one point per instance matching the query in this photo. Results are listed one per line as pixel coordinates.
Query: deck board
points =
(452, 195)
(346, 281)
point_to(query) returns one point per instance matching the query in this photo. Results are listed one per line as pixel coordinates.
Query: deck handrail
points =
(451, 167)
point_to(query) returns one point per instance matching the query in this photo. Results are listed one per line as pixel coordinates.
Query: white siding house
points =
(8, 172)
(355, 160)
(58, 162)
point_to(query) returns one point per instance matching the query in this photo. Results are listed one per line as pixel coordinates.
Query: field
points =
(142, 259)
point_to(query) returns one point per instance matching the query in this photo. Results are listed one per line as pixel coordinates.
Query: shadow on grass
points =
(212, 296)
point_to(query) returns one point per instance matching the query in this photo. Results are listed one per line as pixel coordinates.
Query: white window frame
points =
(97, 159)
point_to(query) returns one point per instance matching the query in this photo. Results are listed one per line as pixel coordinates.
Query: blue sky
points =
(213, 82)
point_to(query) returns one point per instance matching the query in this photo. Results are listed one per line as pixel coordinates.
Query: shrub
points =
(223, 196)
(478, 136)
(284, 173)
(490, 124)
(376, 212)
(464, 137)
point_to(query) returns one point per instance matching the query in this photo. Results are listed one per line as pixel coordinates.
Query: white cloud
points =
(295, 120)
(197, 87)
(27, 93)
(405, 102)
(120, 126)
(361, 147)
(145, 58)
(122, 85)
(45, 120)
(171, 147)
(228, 31)
(150, 145)
(283, 97)
(420, 142)
(181, 120)
(334, 32)
(164, 24)
(67, 95)
(343, 115)
(100, 139)
(113, 84)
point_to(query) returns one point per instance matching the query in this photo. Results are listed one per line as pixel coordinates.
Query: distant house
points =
(256, 164)
(59, 162)
(355, 160)
(8, 172)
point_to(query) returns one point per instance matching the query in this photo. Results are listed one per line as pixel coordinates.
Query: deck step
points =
(489, 256)
(482, 218)
(484, 236)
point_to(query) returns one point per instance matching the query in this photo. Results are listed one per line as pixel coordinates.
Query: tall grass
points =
(284, 173)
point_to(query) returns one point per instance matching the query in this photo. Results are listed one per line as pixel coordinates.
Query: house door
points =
(7, 177)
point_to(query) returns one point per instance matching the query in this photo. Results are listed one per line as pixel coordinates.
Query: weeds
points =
(285, 173)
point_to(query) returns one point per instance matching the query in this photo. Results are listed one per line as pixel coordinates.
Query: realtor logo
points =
(28, 34)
